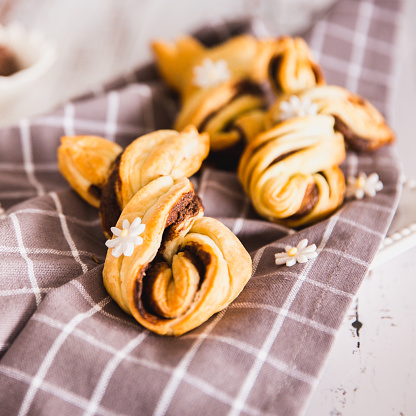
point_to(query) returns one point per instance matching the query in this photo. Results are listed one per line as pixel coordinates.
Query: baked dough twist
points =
(107, 177)
(232, 112)
(363, 126)
(290, 172)
(86, 162)
(245, 55)
(187, 267)
(293, 68)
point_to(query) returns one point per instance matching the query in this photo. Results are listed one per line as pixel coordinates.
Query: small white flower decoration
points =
(301, 254)
(210, 73)
(127, 238)
(297, 107)
(363, 185)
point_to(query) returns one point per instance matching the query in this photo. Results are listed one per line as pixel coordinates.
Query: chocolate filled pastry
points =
(231, 113)
(86, 163)
(290, 172)
(292, 68)
(187, 65)
(107, 177)
(182, 268)
(220, 88)
(362, 125)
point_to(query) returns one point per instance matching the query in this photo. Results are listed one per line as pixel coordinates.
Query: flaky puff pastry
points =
(85, 162)
(188, 267)
(160, 153)
(291, 173)
(107, 177)
(293, 68)
(246, 57)
(231, 113)
(363, 126)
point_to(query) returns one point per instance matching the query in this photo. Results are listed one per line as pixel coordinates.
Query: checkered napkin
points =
(68, 349)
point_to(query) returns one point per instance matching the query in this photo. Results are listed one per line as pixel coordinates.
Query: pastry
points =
(230, 114)
(240, 57)
(220, 89)
(184, 268)
(362, 125)
(86, 162)
(293, 68)
(290, 172)
(107, 177)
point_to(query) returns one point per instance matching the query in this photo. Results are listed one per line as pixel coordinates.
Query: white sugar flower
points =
(297, 107)
(363, 185)
(210, 73)
(301, 254)
(127, 238)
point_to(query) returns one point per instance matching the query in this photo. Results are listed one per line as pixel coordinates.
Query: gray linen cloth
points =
(68, 349)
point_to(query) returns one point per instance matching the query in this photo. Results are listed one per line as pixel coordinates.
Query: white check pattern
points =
(65, 345)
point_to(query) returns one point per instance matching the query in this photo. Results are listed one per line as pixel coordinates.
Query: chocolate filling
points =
(317, 72)
(354, 142)
(95, 191)
(284, 156)
(273, 71)
(243, 87)
(110, 210)
(310, 199)
(199, 258)
(144, 301)
(189, 205)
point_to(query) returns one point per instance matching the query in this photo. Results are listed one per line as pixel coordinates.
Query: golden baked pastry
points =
(231, 113)
(290, 172)
(187, 267)
(85, 162)
(293, 68)
(107, 177)
(245, 57)
(363, 126)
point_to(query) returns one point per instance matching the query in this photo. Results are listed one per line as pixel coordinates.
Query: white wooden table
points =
(370, 371)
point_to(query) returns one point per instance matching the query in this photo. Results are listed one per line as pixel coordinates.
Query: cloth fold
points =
(67, 348)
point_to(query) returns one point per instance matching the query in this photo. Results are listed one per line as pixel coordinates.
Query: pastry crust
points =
(246, 57)
(363, 126)
(187, 268)
(218, 111)
(290, 171)
(160, 153)
(293, 68)
(107, 177)
(85, 162)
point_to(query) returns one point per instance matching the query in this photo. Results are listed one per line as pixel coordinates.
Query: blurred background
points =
(98, 40)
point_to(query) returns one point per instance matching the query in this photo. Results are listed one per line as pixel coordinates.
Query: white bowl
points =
(34, 53)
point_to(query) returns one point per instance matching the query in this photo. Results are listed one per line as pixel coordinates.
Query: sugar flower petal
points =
(301, 254)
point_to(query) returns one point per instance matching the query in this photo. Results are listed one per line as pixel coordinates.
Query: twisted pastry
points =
(226, 113)
(187, 267)
(229, 103)
(107, 177)
(293, 68)
(86, 162)
(290, 172)
(363, 127)
(245, 56)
